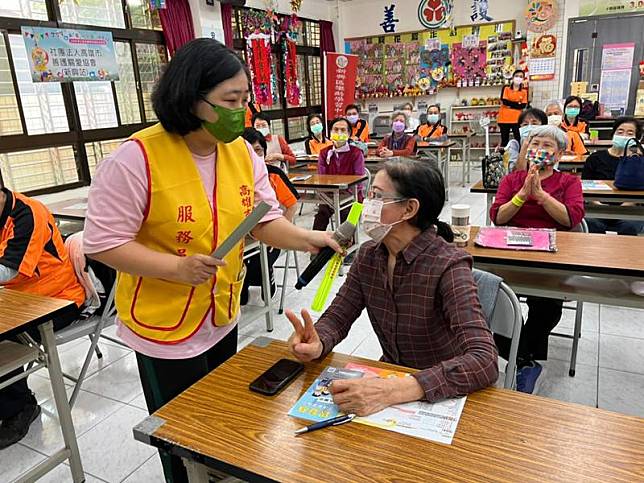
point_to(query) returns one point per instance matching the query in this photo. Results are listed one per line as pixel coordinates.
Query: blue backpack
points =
(630, 170)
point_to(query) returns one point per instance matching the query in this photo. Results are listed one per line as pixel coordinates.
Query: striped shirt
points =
(430, 320)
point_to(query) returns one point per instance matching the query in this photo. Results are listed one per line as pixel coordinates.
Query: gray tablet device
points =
(242, 230)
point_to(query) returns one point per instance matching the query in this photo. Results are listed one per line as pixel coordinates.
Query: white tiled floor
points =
(610, 374)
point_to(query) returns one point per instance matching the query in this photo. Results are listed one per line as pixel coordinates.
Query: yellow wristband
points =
(518, 201)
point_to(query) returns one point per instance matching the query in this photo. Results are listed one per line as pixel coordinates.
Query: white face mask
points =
(371, 219)
(555, 120)
(265, 131)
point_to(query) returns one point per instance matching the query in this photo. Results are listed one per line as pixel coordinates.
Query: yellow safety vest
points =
(180, 220)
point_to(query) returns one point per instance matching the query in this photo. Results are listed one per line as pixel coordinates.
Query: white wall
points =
(362, 18)
(207, 19)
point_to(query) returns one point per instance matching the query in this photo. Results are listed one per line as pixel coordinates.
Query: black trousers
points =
(543, 315)
(622, 227)
(254, 273)
(164, 379)
(324, 214)
(15, 397)
(505, 133)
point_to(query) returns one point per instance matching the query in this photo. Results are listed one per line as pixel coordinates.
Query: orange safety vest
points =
(180, 220)
(431, 130)
(578, 127)
(507, 114)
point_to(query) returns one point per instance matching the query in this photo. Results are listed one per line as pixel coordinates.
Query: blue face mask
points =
(572, 111)
(433, 118)
(620, 141)
(525, 131)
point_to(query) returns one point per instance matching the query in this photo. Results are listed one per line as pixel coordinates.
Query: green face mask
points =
(230, 124)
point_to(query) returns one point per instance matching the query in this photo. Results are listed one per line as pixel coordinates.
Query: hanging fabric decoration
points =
(260, 61)
(291, 82)
(290, 34)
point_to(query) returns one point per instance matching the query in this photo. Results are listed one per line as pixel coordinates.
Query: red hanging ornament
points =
(259, 55)
(292, 84)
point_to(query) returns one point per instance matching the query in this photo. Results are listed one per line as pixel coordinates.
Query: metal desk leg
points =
(463, 159)
(490, 200)
(338, 218)
(197, 473)
(60, 397)
(266, 287)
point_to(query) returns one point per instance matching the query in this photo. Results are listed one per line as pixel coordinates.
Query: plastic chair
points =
(507, 321)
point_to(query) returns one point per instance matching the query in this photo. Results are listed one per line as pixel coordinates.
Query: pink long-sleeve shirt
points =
(115, 213)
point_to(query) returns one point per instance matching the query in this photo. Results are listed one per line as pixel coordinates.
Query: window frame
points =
(284, 113)
(76, 136)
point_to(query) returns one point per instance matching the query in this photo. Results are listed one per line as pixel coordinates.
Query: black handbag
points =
(493, 169)
(630, 169)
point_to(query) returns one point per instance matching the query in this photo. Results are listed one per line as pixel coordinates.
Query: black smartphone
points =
(277, 377)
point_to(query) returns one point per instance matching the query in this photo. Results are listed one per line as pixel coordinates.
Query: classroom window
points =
(55, 134)
(308, 66)
(103, 13)
(42, 102)
(31, 9)
(40, 168)
(297, 127)
(150, 58)
(141, 16)
(9, 112)
(97, 151)
(126, 92)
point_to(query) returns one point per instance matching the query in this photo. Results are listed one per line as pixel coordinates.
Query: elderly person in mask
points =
(398, 143)
(419, 293)
(575, 144)
(540, 197)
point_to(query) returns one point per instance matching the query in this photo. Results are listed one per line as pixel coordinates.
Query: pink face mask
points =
(398, 126)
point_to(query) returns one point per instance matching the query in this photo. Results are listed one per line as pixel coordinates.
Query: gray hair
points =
(395, 114)
(552, 132)
(553, 102)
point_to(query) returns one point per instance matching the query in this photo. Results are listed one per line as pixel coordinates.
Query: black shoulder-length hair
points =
(196, 68)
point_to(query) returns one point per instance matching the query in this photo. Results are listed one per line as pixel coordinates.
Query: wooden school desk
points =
(20, 311)
(598, 145)
(502, 435)
(614, 261)
(444, 152)
(71, 210)
(572, 162)
(592, 211)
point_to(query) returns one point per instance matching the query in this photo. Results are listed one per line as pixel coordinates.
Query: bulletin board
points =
(422, 62)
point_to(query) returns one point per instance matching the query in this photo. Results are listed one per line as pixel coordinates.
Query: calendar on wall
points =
(542, 69)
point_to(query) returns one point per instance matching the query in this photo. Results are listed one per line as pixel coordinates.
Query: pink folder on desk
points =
(512, 238)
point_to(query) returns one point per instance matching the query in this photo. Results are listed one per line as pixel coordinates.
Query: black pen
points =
(325, 424)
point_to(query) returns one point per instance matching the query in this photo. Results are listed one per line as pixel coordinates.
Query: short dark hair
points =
(261, 116)
(629, 120)
(569, 99)
(538, 114)
(518, 71)
(352, 106)
(424, 182)
(340, 119)
(253, 136)
(195, 69)
(309, 118)
(437, 106)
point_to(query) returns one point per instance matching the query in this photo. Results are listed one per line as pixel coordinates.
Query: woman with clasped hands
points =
(419, 293)
(541, 197)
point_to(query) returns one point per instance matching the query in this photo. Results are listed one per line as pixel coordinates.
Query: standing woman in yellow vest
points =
(162, 202)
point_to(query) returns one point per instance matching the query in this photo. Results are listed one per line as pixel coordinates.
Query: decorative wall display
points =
(469, 64)
(340, 73)
(500, 59)
(605, 7)
(434, 14)
(157, 4)
(415, 63)
(541, 15)
(65, 55)
(542, 58)
(389, 23)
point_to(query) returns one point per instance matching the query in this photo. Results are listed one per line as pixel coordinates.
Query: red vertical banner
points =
(340, 72)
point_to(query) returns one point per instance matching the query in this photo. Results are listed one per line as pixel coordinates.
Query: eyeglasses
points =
(379, 195)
